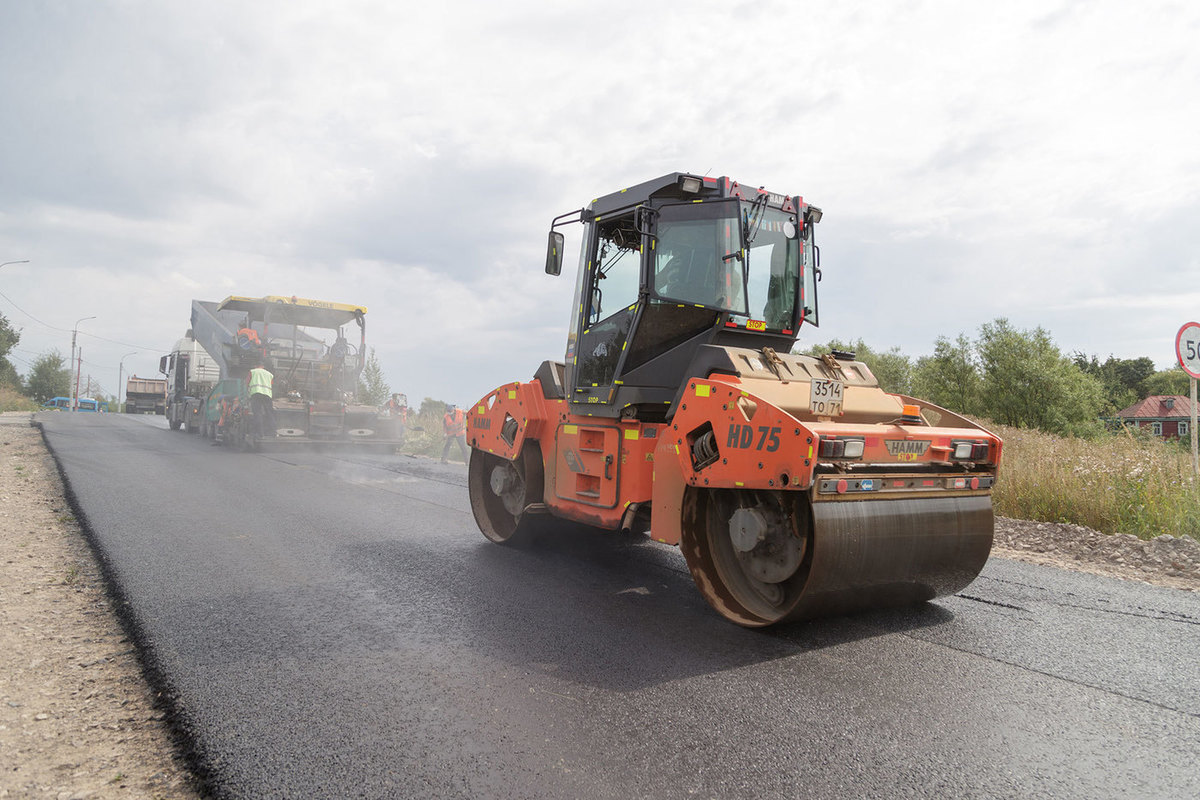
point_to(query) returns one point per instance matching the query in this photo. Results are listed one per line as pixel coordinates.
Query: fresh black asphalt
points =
(333, 625)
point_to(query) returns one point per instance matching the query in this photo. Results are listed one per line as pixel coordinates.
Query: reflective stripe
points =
(260, 381)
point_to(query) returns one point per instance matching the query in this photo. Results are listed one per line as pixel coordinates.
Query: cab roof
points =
(294, 310)
(679, 186)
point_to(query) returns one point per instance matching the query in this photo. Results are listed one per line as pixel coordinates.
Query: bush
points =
(424, 435)
(12, 400)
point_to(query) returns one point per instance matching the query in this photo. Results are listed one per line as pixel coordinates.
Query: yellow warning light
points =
(911, 411)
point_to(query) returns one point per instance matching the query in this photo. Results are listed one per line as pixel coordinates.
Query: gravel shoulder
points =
(77, 718)
(1167, 560)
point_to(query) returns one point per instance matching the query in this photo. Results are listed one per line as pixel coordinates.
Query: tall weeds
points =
(1117, 483)
(12, 400)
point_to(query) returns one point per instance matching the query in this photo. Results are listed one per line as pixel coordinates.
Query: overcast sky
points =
(1033, 160)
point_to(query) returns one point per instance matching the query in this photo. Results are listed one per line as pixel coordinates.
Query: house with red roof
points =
(1167, 416)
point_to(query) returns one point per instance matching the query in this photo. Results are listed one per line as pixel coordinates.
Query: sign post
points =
(1187, 348)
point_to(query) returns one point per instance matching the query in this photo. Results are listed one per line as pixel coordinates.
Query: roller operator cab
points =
(794, 485)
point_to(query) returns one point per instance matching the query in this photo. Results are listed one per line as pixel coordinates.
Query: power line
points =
(70, 330)
(117, 341)
(32, 317)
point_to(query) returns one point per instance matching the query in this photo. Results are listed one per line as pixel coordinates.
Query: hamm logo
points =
(907, 447)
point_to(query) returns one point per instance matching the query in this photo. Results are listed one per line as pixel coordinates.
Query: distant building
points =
(1167, 416)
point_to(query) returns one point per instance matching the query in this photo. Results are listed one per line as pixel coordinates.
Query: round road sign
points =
(1187, 347)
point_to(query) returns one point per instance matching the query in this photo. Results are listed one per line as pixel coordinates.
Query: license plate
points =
(825, 398)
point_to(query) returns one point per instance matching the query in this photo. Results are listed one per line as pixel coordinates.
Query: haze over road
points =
(335, 625)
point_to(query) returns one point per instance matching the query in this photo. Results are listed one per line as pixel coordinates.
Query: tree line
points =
(1019, 378)
(1013, 376)
(48, 375)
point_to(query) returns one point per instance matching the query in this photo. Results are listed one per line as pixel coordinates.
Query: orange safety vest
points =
(455, 423)
(247, 337)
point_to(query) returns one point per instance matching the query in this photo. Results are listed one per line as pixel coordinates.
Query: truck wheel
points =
(175, 423)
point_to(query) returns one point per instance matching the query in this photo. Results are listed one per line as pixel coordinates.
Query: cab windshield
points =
(699, 259)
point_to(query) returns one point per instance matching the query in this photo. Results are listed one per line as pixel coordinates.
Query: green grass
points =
(1119, 483)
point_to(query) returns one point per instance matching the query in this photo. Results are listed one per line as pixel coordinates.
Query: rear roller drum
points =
(746, 552)
(501, 492)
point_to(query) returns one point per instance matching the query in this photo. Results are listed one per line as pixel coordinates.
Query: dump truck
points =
(793, 484)
(315, 366)
(190, 375)
(145, 395)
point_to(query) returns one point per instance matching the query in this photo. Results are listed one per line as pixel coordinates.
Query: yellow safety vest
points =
(260, 381)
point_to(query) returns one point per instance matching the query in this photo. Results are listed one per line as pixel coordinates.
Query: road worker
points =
(455, 425)
(397, 407)
(258, 385)
(248, 340)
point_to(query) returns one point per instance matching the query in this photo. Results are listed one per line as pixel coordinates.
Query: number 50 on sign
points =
(1187, 347)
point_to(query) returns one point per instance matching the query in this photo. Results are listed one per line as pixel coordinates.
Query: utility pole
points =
(120, 373)
(74, 333)
(75, 395)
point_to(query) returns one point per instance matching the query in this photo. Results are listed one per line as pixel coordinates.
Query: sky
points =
(1038, 161)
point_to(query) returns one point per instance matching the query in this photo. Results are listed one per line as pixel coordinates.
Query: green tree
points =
(1133, 373)
(892, 368)
(1124, 379)
(372, 388)
(1027, 382)
(9, 376)
(1169, 381)
(9, 336)
(49, 377)
(950, 377)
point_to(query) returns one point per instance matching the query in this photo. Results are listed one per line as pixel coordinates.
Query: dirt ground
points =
(77, 719)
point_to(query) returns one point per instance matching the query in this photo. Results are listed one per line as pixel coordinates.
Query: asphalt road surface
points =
(336, 626)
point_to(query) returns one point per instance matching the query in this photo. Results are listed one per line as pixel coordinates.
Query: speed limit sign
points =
(1187, 347)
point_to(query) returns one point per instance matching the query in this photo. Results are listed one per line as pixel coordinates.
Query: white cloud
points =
(1027, 160)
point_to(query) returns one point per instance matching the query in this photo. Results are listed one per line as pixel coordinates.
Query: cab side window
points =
(618, 267)
(613, 293)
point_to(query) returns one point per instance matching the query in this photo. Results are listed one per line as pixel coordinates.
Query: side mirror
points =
(162, 364)
(554, 251)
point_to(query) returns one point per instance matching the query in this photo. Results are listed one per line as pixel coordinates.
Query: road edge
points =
(165, 697)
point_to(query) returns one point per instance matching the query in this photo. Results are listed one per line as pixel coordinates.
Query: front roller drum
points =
(765, 557)
(501, 492)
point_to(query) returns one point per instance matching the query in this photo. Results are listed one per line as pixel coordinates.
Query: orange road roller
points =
(794, 485)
